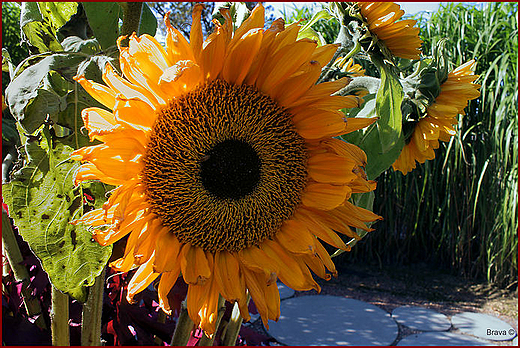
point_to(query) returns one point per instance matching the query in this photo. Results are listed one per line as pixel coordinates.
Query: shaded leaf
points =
(42, 201)
(30, 95)
(388, 107)
(148, 24)
(77, 44)
(103, 19)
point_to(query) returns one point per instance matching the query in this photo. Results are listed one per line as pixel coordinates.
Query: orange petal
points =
(167, 249)
(295, 237)
(241, 55)
(101, 93)
(143, 277)
(194, 265)
(331, 169)
(167, 282)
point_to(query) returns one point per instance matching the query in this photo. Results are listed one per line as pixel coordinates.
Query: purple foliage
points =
(122, 323)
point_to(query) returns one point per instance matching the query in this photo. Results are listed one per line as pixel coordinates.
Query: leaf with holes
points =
(42, 201)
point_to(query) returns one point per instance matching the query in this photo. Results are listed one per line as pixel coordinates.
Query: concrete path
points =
(332, 320)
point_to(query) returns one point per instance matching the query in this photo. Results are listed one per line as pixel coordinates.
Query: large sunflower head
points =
(455, 93)
(226, 168)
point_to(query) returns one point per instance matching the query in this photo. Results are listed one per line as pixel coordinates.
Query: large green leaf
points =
(43, 201)
(27, 87)
(46, 90)
(148, 24)
(369, 140)
(388, 106)
(103, 19)
(40, 23)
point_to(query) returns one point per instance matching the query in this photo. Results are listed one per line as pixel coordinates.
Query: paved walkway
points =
(324, 320)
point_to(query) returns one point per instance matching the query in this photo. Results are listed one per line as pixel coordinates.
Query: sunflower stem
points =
(91, 314)
(369, 83)
(355, 50)
(233, 327)
(183, 329)
(131, 17)
(60, 318)
(206, 340)
(15, 259)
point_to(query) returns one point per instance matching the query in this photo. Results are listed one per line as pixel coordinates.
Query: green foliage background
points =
(460, 211)
(64, 39)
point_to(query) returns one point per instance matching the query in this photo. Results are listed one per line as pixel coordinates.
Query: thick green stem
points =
(60, 318)
(183, 329)
(206, 340)
(233, 327)
(14, 256)
(91, 315)
(131, 17)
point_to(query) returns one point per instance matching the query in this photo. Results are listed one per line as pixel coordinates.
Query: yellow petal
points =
(295, 237)
(134, 113)
(285, 63)
(141, 279)
(212, 56)
(177, 47)
(194, 265)
(257, 260)
(101, 93)
(290, 272)
(254, 21)
(331, 169)
(324, 196)
(240, 57)
(196, 30)
(128, 90)
(168, 280)
(167, 249)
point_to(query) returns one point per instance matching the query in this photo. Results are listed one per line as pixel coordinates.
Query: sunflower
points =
(226, 168)
(441, 115)
(400, 37)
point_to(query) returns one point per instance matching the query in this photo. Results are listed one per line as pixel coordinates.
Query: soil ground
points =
(424, 287)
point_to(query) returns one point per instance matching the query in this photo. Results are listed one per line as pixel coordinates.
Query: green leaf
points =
(307, 32)
(369, 140)
(148, 24)
(41, 21)
(77, 44)
(388, 106)
(377, 161)
(26, 87)
(103, 19)
(58, 13)
(43, 201)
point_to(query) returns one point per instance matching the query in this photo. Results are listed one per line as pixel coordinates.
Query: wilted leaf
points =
(42, 201)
